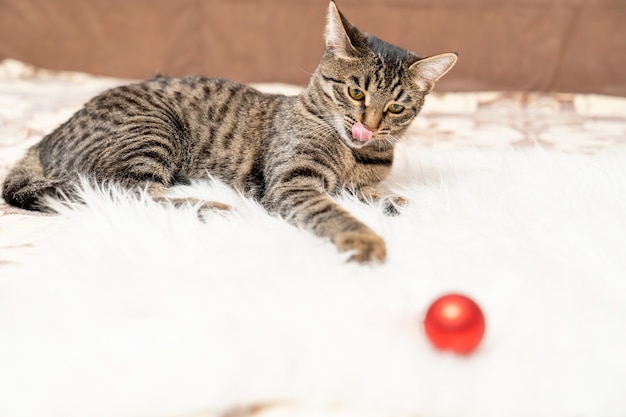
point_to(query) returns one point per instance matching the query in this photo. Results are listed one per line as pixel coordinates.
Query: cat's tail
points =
(26, 183)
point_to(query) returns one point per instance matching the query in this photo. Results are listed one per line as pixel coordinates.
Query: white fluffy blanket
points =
(124, 308)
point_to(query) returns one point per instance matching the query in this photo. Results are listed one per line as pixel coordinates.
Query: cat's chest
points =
(358, 170)
(363, 175)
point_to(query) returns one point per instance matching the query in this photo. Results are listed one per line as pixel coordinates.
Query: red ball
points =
(456, 323)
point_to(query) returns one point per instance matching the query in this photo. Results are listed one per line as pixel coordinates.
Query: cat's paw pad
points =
(367, 247)
(392, 205)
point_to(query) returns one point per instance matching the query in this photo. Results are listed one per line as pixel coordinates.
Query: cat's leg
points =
(157, 192)
(311, 208)
(151, 173)
(391, 204)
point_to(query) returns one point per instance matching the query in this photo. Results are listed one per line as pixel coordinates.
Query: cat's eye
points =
(395, 108)
(355, 93)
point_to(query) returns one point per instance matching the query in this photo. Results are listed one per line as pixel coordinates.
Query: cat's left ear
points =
(337, 39)
(428, 71)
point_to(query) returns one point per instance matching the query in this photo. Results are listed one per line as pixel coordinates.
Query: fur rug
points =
(125, 308)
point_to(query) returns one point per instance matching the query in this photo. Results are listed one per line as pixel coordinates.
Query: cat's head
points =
(372, 89)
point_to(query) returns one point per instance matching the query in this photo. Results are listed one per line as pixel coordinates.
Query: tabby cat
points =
(289, 153)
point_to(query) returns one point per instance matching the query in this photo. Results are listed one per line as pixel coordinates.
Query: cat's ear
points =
(336, 35)
(428, 71)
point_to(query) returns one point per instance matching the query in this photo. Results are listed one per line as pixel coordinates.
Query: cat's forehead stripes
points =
(396, 89)
(389, 73)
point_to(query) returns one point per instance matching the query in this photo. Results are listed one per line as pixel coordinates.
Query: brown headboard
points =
(540, 45)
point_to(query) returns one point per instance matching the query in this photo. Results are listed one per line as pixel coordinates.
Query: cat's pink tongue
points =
(360, 132)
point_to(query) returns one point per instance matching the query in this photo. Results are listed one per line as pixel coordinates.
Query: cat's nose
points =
(369, 126)
(372, 119)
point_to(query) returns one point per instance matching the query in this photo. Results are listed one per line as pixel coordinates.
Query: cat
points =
(289, 153)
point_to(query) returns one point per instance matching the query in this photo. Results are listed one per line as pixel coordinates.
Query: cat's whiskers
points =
(304, 71)
(392, 139)
(322, 132)
(323, 129)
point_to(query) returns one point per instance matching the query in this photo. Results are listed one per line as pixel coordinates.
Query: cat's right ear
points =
(336, 35)
(428, 71)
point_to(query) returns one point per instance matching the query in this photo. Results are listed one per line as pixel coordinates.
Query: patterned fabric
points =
(567, 122)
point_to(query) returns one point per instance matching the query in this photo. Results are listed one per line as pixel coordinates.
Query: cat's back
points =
(183, 97)
(158, 101)
(179, 100)
(177, 117)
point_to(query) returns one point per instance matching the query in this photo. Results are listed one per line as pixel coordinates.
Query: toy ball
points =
(455, 323)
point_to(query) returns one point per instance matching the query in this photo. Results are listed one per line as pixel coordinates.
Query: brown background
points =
(526, 45)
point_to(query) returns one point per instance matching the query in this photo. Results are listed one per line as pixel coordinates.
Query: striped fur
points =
(289, 153)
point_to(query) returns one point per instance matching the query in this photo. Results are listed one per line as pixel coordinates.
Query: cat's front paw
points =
(365, 245)
(392, 205)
